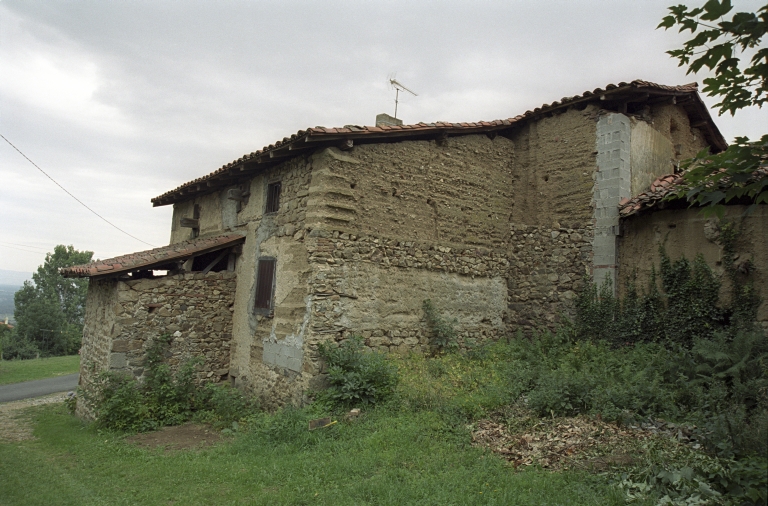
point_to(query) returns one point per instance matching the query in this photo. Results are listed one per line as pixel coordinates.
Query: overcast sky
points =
(122, 101)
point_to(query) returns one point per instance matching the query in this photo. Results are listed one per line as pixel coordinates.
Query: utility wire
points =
(44, 250)
(77, 199)
(20, 249)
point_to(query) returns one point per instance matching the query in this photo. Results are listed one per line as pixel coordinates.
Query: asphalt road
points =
(28, 389)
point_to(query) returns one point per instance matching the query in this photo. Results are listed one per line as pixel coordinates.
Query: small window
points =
(273, 197)
(265, 284)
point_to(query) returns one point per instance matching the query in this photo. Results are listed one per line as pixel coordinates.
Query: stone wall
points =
(195, 309)
(375, 287)
(98, 331)
(123, 317)
(526, 286)
(547, 267)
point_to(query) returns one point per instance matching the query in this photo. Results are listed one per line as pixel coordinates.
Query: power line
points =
(44, 250)
(77, 199)
(21, 249)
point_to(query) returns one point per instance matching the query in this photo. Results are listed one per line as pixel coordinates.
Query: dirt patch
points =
(578, 442)
(15, 423)
(182, 437)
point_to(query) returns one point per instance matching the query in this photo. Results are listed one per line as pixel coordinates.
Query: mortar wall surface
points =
(268, 349)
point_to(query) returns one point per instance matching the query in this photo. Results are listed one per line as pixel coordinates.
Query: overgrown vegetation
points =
(705, 363)
(163, 397)
(686, 307)
(674, 357)
(443, 329)
(356, 377)
(715, 391)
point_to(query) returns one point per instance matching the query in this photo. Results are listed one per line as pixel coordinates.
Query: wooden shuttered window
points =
(273, 197)
(265, 283)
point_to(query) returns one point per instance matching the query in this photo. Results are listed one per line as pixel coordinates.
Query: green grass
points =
(388, 456)
(16, 371)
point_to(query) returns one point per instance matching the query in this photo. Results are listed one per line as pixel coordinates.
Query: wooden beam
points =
(189, 223)
(218, 259)
(665, 99)
(282, 152)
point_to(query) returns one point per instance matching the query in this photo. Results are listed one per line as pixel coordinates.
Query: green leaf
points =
(714, 9)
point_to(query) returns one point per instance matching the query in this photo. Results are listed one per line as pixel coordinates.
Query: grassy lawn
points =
(15, 371)
(388, 456)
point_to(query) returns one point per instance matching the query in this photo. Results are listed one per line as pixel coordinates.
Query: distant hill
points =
(14, 278)
(10, 282)
(6, 300)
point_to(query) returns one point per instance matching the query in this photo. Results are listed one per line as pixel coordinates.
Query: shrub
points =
(16, 347)
(691, 293)
(164, 397)
(355, 376)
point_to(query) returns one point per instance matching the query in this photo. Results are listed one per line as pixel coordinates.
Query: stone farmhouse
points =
(333, 232)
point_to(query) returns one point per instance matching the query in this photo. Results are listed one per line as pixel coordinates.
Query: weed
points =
(444, 335)
(356, 377)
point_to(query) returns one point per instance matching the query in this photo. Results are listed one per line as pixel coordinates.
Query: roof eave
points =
(314, 138)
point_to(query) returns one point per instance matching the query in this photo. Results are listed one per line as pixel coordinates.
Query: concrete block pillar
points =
(613, 182)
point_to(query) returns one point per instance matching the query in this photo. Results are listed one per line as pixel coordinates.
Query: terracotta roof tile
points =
(661, 188)
(312, 138)
(152, 258)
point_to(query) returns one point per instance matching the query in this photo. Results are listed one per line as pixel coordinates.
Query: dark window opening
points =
(200, 263)
(265, 284)
(273, 197)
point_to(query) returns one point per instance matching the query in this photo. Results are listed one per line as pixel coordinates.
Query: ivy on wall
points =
(685, 306)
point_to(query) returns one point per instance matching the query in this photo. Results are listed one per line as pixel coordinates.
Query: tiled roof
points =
(666, 185)
(154, 258)
(660, 188)
(312, 138)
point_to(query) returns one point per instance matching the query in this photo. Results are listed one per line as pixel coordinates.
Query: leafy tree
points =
(718, 44)
(49, 313)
